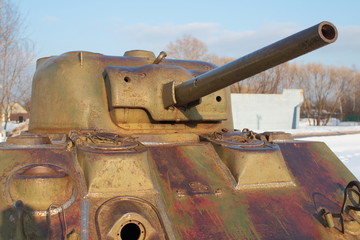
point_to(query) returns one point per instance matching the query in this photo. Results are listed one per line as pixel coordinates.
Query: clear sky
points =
(228, 28)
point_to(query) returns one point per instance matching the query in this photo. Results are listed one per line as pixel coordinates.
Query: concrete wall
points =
(267, 111)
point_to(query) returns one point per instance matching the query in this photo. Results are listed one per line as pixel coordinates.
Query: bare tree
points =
(272, 80)
(341, 78)
(349, 101)
(188, 48)
(219, 61)
(15, 57)
(191, 48)
(324, 90)
(300, 79)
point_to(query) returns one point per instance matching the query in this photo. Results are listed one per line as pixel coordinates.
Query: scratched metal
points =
(200, 213)
(280, 213)
(156, 155)
(36, 222)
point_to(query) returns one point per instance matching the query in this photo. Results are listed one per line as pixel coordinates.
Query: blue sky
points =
(228, 28)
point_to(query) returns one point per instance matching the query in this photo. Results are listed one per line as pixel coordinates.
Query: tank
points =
(143, 147)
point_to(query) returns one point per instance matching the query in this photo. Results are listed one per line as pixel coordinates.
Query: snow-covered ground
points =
(346, 146)
(10, 127)
(334, 126)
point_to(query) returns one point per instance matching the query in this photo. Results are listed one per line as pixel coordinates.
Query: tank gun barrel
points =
(279, 52)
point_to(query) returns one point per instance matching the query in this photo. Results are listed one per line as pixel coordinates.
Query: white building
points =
(267, 111)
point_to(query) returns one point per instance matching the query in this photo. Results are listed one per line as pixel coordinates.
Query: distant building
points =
(267, 111)
(16, 113)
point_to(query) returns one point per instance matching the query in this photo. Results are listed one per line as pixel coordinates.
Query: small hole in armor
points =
(130, 231)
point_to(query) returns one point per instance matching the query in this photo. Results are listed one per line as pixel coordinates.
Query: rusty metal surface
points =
(103, 159)
(295, 214)
(81, 102)
(265, 213)
(38, 184)
(189, 191)
(192, 186)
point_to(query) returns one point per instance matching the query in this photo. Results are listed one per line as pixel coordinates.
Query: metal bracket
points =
(343, 214)
(61, 214)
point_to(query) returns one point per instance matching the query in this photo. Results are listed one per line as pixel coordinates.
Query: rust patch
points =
(37, 224)
(283, 215)
(318, 171)
(199, 213)
(179, 171)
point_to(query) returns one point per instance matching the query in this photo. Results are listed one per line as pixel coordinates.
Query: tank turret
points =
(143, 147)
(138, 93)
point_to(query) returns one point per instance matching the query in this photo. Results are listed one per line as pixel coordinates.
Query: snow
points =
(10, 127)
(334, 126)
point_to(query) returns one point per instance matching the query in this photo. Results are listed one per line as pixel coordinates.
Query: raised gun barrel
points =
(279, 52)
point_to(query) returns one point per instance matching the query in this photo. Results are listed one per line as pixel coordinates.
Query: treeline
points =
(16, 55)
(329, 91)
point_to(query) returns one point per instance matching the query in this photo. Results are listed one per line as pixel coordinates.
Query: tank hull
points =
(173, 191)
